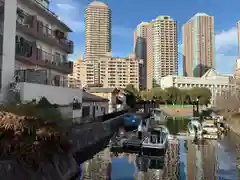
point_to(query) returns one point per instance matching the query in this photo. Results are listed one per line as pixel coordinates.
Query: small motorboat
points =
(157, 115)
(195, 128)
(156, 143)
(210, 130)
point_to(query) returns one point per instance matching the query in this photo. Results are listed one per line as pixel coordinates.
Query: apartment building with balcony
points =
(78, 77)
(35, 48)
(116, 72)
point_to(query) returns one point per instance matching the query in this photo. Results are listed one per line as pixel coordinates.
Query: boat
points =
(156, 143)
(157, 115)
(131, 122)
(195, 128)
(210, 130)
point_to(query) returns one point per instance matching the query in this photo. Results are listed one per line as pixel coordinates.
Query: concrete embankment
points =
(87, 140)
(234, 132)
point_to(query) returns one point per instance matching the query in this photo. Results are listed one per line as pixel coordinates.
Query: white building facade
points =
(34, 52)
(212, 80)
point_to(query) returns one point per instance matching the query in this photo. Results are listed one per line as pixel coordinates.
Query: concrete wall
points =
(55, 94)
(99, 111)
(8, 54)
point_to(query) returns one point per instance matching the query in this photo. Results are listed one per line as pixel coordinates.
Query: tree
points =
(132, 95)
(173, 95)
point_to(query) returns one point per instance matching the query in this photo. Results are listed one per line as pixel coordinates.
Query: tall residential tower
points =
(98, 38)
(198, 45)
(143, 51)
(165, 51)
(238, 29)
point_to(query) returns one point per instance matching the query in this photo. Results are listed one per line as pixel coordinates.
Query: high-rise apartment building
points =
(198, 45)
(119, 72)
(78, 77)
(97, 38)
(164, 40)
(143, 51)
(238, 30)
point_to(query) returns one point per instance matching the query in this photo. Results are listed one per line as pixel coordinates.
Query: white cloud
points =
(226, 43)
(225, 40)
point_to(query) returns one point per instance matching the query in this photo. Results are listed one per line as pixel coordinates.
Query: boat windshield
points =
(209, 126)
(157, 113)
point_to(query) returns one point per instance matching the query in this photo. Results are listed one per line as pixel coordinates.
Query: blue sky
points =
(127, 14)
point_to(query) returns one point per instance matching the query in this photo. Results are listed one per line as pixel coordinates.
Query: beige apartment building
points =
(198, 45)
(118, 72)
(78, 77)
(165, 49)
(98, 38)
(143, 51)
(238, 30)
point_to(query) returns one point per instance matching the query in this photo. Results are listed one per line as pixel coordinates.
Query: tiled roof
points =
(88, 97)
(101, 90)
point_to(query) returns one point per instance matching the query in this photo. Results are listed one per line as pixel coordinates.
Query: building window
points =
(85, 111)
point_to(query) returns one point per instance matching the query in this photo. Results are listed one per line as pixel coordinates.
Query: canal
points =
(187, 160)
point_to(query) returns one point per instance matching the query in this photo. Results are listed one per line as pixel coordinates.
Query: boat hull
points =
(153, 151)
(210, 136)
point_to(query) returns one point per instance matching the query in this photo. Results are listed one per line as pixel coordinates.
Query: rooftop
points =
(101, 90)
(88, 97)
(98, 4)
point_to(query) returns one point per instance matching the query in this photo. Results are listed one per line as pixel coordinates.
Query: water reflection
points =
(184, 160)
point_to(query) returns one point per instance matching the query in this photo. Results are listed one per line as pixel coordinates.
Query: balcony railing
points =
(30, 25)
(45, 8)
(28, 52)
(42, 77)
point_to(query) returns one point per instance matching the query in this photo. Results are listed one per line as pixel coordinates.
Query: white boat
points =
(157, 115)
(156, 143)
(210, 130)
(195, 128)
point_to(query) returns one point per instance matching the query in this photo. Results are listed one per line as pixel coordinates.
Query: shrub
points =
(32, 132)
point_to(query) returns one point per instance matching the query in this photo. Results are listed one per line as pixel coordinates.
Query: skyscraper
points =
(198, 45)
(238, 29)
(97, 38)
(143, 51)
(164, 48)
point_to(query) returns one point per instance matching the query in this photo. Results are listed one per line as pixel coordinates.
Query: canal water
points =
(187, 160)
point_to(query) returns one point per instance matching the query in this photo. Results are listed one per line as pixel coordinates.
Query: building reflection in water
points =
(99, 167)
(200, 164)
(201, 160)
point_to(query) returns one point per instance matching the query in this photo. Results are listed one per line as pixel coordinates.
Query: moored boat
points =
(195, 128)
(156, 143)
(210, 130)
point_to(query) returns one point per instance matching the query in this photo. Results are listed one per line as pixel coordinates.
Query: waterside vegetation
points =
(32, 132)
(171, 95)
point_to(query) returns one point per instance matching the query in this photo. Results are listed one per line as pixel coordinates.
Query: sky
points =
(127, 14)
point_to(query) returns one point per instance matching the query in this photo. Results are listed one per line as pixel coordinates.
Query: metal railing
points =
(42, 77)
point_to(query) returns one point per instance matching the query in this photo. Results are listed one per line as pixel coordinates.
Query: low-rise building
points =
(112, 94)
(94, 106)
(216, 82)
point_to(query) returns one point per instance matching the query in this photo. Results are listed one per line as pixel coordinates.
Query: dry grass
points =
(31, 133)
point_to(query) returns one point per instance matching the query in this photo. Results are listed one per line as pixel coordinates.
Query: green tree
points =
(173, 95)
(132, 95)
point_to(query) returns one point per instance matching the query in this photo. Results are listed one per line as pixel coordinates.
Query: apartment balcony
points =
(34, 84)
(44, 11)
(30, 54)
(29, 25)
